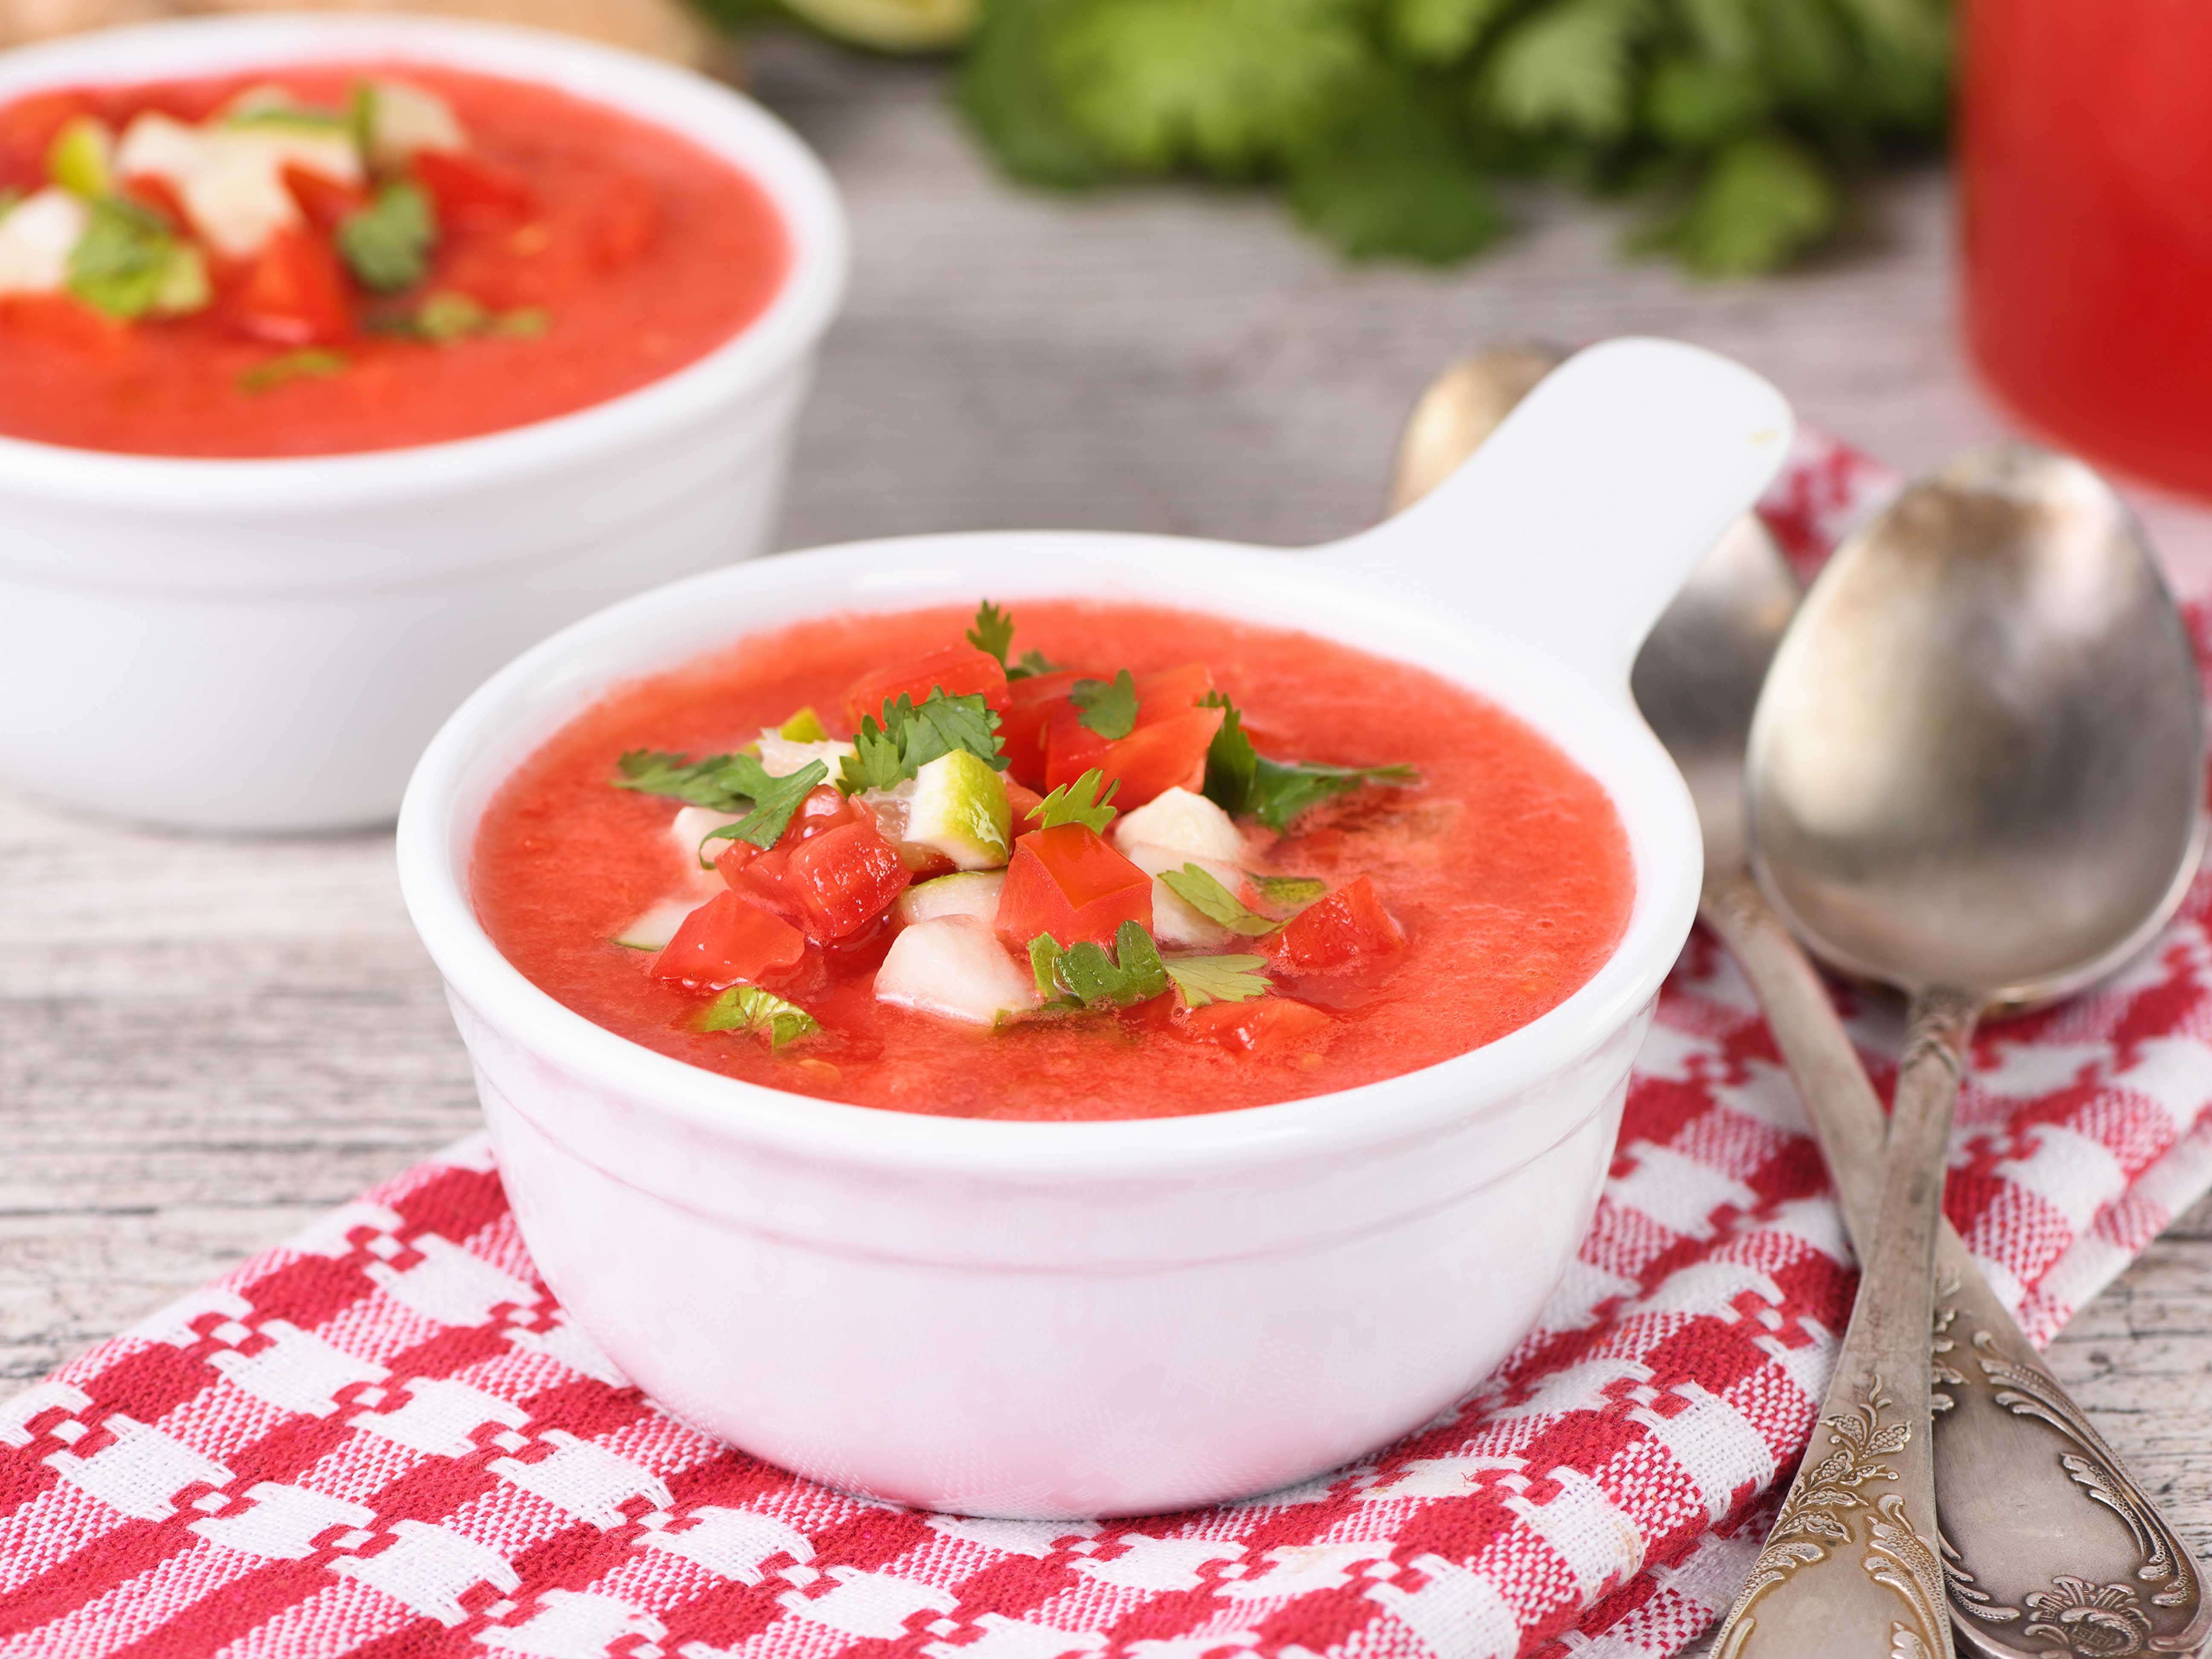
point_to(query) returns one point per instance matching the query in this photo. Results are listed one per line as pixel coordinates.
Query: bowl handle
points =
(1569, 530)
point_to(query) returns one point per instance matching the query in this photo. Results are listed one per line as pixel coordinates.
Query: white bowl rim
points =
(758, 143)
(1056, 1153)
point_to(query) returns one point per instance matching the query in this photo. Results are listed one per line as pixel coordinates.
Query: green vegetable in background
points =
(1390, 123)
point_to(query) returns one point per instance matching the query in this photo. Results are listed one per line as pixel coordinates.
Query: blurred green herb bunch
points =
(1390, 123)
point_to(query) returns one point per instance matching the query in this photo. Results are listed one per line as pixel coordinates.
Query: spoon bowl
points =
(1978, 759)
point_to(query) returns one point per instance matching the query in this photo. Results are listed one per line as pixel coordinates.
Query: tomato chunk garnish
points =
(1068, 882)
(1171, 692)
(958, 671)
(324, 200)
(1151, 760)
(1272, 1027)
(728, 939)
(294, 293)
(831, 885)
(469, 190)
(1348, 927)
(1032, 703)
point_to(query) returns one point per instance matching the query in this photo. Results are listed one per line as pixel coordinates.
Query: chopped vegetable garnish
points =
(82, 158)
(386, 245)
(908, 739)
(1203, 894)
(1132, 975)
(993, 631)
(775, 800)
(1032, 663)
(1110, 707)
(749, 1008)
(1044, 954)
(130, 262)
(1078, 803)
(724, 783)
(309, 363)
(804, 727)
(1242, 781)
(1204, 980)
(1291, 892)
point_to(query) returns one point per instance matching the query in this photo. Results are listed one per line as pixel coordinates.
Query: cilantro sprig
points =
(749, 1008)
(1241, 780)
(1110, 707)
(1085, 975)
(1080, 803)
(1289, 892)
(1197, 887)
(724, 783)
(889, 751)
(1204, 980)
(994, 632)
(386, 245)
(130, 262)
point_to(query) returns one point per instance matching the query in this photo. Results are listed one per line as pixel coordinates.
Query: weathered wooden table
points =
(203, 1042)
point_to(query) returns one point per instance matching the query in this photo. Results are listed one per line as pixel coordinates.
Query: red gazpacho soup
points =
(341, 257)
(1129, 862)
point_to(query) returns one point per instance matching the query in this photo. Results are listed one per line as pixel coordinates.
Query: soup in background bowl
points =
(1125, 1314)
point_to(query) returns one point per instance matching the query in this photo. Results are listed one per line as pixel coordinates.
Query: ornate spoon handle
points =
(2050, 1549)
(1851, 1565)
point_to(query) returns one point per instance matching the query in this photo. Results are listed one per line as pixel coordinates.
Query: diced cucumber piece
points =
(782, 755)
(82, 158)
(230, 176)
(653, 930)
(971, 893)
(804, 727)
(689, 829)
(398, 117)
(36, 237)
(1183, 823)
(955, 967)
(1175, 925)
(959, 809)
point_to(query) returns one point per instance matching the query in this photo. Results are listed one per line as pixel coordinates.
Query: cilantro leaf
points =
(887, 753)
(1763, 200)
(993, 631)
(130, 262)
(1241, 780)
(1080, 803)
(386, 245)
(308, 363)
(1568, 65)
(749, 1008)
(1289, 892)
(1032, 663)
(1231, 85)
(1203, 979)
(1399, 177)
(1010, 96)
(775, 800)
(1110, 707)
(724, 783)
(1195, 886)
(1440, 30)
(1132, 975)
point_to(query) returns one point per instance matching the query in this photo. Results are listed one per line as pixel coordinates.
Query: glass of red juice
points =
(2087, 166)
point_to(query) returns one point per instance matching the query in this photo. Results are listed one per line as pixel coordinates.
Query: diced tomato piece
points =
(471, 190)
(727, 940)
(1348, 927)
(841, 880)
(825, 808)
(1022, 729)
(294, 293)
(1071, 748)
(1272, 1027)
(1022, 802)
(153, 191)
(1171, 692)
(958, 671)
(1066, 882)
(325, 201)
(1151, 761)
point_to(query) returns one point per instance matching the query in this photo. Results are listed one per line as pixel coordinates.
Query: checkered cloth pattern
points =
(386, 1439)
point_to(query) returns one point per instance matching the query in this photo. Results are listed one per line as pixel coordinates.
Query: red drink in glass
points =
(2087, 145)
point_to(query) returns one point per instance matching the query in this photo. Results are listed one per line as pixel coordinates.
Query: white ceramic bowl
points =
(1056, 1319)
(266, 645)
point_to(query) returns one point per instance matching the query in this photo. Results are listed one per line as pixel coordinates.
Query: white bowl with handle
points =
(1072, 1319)
(267, 644)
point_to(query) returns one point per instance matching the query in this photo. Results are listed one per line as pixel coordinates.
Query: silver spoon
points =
(1977, 773)
(2017, 1520)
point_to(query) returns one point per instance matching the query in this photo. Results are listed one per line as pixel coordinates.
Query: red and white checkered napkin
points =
(385, 1438)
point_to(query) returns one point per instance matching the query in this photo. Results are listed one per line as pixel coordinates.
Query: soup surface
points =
(1335, 928)
(251, 266)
